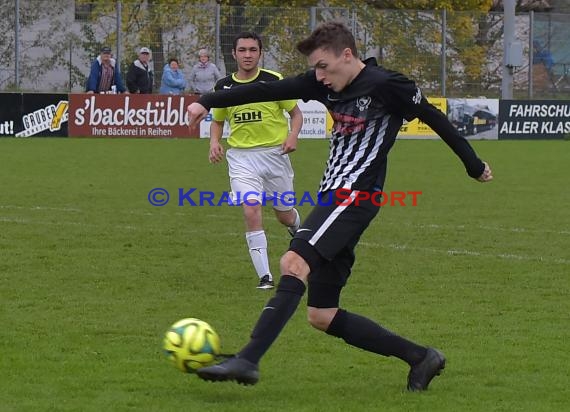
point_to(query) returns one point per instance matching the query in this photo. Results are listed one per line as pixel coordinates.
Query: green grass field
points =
(92, 275)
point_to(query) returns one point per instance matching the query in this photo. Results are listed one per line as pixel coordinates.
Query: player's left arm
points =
(290, 144)
(434, 118)
(410, 103)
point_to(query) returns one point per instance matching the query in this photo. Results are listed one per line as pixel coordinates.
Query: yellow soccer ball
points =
(191, 344)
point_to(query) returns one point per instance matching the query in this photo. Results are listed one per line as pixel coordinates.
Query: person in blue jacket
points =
(173, 81)
(105, 76)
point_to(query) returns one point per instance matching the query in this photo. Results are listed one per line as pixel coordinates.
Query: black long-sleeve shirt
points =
(367, 114)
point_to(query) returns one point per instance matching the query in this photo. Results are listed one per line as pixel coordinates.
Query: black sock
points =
(363, 333)
(273, 318)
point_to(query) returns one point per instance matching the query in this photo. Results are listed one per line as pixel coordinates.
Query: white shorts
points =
(261, 175)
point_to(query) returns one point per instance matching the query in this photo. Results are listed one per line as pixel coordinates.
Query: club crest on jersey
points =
(363, 102)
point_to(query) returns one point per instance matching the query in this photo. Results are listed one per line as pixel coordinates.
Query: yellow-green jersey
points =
(254, 124)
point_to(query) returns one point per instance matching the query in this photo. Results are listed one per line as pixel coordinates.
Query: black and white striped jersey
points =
(367, 116)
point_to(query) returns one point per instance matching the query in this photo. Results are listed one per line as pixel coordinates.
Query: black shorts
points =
(326, 241)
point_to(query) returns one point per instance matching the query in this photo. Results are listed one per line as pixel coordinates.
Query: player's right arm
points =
(216, 148)
(300, 87)
(291, 88)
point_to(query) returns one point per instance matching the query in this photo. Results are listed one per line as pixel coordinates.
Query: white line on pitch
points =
(59, 209)
(509, 256)
(66, 223)
(483, 227)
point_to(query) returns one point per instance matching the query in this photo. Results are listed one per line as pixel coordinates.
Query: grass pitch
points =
(92, 275)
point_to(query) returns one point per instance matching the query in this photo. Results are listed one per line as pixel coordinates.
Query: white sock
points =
(257, 243)
(297, 223)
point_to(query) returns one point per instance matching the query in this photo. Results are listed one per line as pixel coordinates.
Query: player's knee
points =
(317, 321)
(320, 318)
(286, 217)
(252, 210)
(293, 264)
(252, 216)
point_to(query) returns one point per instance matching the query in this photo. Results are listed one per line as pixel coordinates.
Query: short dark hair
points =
(173, 59)
(331, 35)
(247, 35)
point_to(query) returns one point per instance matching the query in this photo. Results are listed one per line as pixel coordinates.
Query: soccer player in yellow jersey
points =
(258, 162)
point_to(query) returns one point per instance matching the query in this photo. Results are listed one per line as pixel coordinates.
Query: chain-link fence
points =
(550, 53)
(48, 45)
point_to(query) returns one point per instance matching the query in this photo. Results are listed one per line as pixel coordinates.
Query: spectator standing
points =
(204, 74)
(140, 75)
(173, 81)
(105, 76)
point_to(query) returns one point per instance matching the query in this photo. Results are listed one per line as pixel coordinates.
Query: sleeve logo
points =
(418, 96)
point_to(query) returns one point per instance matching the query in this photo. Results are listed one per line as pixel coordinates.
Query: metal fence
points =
(48, 45)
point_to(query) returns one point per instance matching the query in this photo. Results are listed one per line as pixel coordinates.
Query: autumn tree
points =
(170, 28)
(408, 36)
(44, 31)
(276, 22)
(405, 35)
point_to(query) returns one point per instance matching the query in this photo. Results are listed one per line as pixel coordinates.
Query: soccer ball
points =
(191, 344)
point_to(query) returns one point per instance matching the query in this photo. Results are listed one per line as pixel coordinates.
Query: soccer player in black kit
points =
(368, 104)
